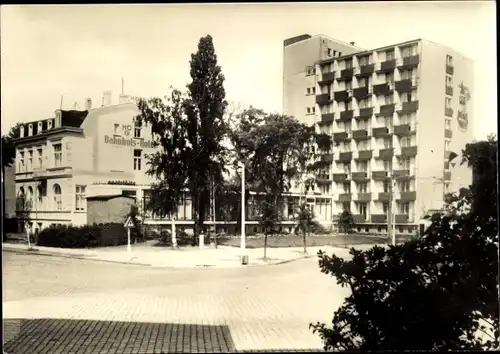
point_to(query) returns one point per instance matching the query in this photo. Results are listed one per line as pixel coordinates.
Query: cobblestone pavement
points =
(61, 305)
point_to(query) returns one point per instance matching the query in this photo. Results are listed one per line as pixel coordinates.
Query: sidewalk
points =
(187, 257)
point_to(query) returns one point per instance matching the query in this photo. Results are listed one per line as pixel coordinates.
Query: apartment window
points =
(364, 61)
(40, 195)
(364, 82)
(30, 160)
(387, 186)
(347, 168)
(137, 128)
(57, 155)
(447, 102)
(346, 206)
(21, 132)
(389, 99)
(40, 157)
(363, 125)
(347, 129)
(40, 128)
(404, 163)
(406, 97)
(348, 64)
(347, 187)
(447, 188)
(449, 80)
(21, 161)
(387, 143)
(407, 51)
(330, 52)
(389, 55)
(362, 187)
(310, 70)
(407, 74)
(385, 208)
(404, 208)
(308, 110)
(57, 196)
(404, 186)
(49, 124)
(363, 103)
(447, 124)
(137, 160)
(389, 78)
(80, 197)
(449, 60)
(311, 110)
(348, 85)
(340, 54)
(362, 207)
(405, 119)
(388, 122)
(405, 141)
(363, 166)
(30, 130)
(388, 166)
(363, 145)
(345, 146)
(313, 90)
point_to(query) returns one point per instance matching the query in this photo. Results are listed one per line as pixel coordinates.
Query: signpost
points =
(129, 223)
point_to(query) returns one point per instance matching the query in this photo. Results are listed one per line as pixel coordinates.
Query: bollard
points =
(244, 260)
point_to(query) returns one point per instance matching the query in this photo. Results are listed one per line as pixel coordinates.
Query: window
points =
(80, 198)
(346, 206)
(385, 208)
(348, 85)
(362, 104)
(389, 99)
(137, 128)
(137, 160)
(348, 64)
(347, 129)
(347, 169)
(29, 165)
(389, 55)
(388, 122)
(447, 124)
(308, 110)
(363, 125)
(447, 102)
(407, 51)
(363, 166)
(57, 155)
(406, 97)
(40, 157)
(347, 187)
(407, 74)
(404, 186)
(30, 130)
(362, 207)
(313, 90)
(388, 166)
(40, 128)
(405, 141)
(340, 54)
(330, 52)
(362, 187)
(310, 70)
(363, 145)
(40, 195)
(49, 124)
(389, 78)
(57, 197)
(447, 187)
(449, 60)
(388, 143)
(404, 208)
(364, 61)
(29, 199)
(405, 163)
(405, 119)
(449, 80)
(387, 186)
(364, 82)
(311, 110)
(21, 161)
(21, 132)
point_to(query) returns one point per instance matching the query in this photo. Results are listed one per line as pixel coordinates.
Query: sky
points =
(80, 51)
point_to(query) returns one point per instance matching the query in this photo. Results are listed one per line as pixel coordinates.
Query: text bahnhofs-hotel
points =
(395, 113)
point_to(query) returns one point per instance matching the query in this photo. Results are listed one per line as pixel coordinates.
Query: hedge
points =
(88, 236)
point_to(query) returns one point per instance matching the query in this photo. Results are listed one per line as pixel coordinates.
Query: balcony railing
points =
(323, 99)
(386, 154)
(365, 113)
(342, 96)
(380, 132)
(340, 136)
(387, 66)
(359, 176)
(365, 70)
(402, 129)
(360, 134)
(448, 133)
(387, 109)
(408, 196)
(409, 62)
(408, 107)
(358, 218)
(361, 92)
(447, 175)
(339, 177)
(379, 175)
(405, 85)
(345, 197)
(402, 173)
(364, 197)
(322, 178)
(448, 111)
(409, 151)
(327, 78)
(449, 69)
(327, 117)
(401, 218)
(345, 157)
(327, 157)
(365, 155)
(449, 90)
(384, 197)
(382, 89)
(346, 74)
(346, 116)
(379, 218)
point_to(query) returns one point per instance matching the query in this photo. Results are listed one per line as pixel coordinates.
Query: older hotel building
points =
(395, 113)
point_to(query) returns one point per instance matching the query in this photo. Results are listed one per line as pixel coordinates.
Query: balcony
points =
(447, 165)
(327, 118)
(447, 176)
(401, 218)
(403, 86)
(398, 174)
(379, 175)
(384, 197)
(450, 69)
(327, 158)
(323, 99)
(345, 197)
(365, 113)
(361, 92)
(386, 109)
(449, 90)
(366, 70)
(359, 176)
(402, 130)
(322, 178)
(379, 218)
(448, 133)
(382, 89)
(380, 132)
(346, 74)
(358, 218)
(345, 157)
(386, 154)
(448, 112)
(409, 107)
(346, 116)
(339, 177)
(409, 151)
(409, 62)
(364, 197)
(341, 96)
(327, 78)
(340, 136)
(365, 155)
(408, 196)
(360, 134)
(387, 66)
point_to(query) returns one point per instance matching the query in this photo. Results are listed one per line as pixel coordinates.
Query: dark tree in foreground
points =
(346, 223)
(269, 219)
(305, 221)
(439, 292)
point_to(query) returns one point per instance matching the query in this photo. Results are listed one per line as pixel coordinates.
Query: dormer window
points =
(21, 132)
(40, 128)
(49, 124)
(58, 119)
(30, 130)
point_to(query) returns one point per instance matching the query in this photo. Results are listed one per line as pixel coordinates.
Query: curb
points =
(66, 255)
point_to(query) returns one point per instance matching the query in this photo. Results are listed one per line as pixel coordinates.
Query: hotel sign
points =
(118, 139)
(462, 115)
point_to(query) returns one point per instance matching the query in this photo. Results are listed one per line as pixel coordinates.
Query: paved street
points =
(62, 305)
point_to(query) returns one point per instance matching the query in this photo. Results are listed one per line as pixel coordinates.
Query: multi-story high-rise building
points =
(396, 115)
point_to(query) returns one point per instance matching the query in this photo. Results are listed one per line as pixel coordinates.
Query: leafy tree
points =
(305, 220)
(346, 223)
(269, 219)
(8, 148)
(438, 292)
(189, 128)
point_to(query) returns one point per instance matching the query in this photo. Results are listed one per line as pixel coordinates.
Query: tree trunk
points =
(265, 245)
(304, 239)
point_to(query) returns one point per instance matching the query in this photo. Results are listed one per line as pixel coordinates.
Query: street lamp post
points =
(243, 245)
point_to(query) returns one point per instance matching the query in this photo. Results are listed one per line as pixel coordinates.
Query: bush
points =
(88, 236)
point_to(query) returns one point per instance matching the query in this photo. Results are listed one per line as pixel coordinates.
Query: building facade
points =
(396, 114)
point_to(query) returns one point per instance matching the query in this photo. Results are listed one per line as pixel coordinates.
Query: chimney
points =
(124, 98)
(106, 98)
(88, 104)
